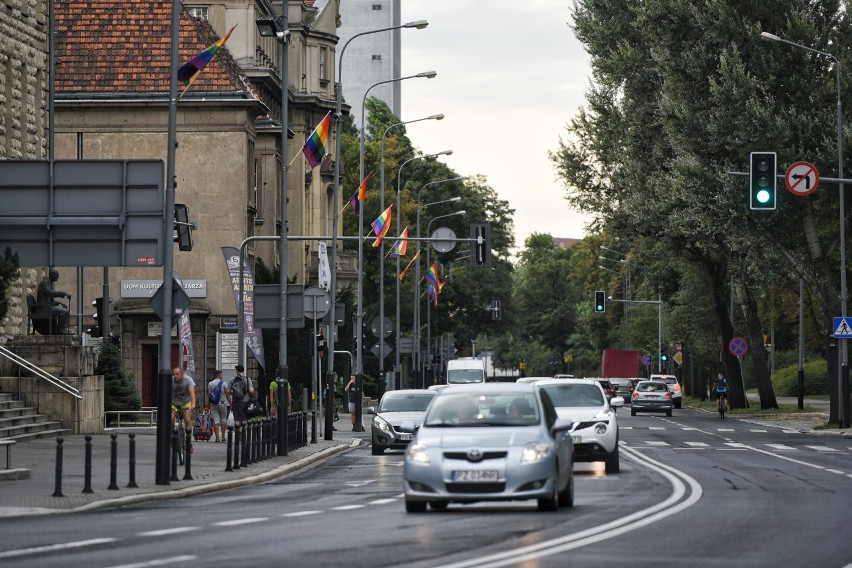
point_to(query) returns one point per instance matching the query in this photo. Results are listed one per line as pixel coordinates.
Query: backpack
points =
(238, 388)
(216, 393)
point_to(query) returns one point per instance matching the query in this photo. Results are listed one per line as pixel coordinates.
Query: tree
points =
(8, 272)
(120, 392)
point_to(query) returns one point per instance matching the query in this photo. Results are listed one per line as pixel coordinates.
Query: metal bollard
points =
(187, 474)
(238, 431)
(258, 438)
(244, 451)
(174, 476)
(273, 438)
(57, 492)
(229, 448)
(304, 428)
(264, 445)
(113, 463)
(253, 441)
(132, 462)
(87, 468)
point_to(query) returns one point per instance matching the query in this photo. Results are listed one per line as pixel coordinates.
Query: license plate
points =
(406, 436)
(577, 439)
(474, 475)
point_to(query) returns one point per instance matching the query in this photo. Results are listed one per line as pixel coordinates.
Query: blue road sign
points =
(738, 346)
(842, 327)
(646, 359)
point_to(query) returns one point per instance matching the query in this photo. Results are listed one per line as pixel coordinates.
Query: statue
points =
(48, 304)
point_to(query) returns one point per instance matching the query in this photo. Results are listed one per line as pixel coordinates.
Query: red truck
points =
(619, 363)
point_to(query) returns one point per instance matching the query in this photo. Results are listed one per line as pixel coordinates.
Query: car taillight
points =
(668, 395)
(610, 391)
(677, 387)
(631, 389)
(635, 395)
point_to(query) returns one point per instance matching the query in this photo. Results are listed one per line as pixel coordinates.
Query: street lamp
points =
(382, 251)
(359, 316)
(418, 24)
(428, 260)
(843, 375)
(271, 26)
(398, 215)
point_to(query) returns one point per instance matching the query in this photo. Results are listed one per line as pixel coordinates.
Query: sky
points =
(511, 75)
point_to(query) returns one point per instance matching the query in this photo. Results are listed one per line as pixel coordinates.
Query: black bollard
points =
(273, 438)
(113, 462)
(57, 492)
(187, 474)
(244, 449)
(132, 483)
(174, 476)
(238, 433)
(229, 446)
(87, 468)
(264, 446)
(253, 440)
(258, 435)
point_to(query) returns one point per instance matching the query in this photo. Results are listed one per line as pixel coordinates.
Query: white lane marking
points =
(789, 431)
(688, 428)
(837, 471)
(696, 444)
(359, 483)
(347, 507)
(780, 447)
(382, 501)
(235, 522)
(756, 430)
(175, 530)
(725, 429)
(822, 448)
(55, 547)
(625, 427)
(656, 443)
(735, 445)
(656, 427)
(301, 514)
(674, 504)
(159, 562)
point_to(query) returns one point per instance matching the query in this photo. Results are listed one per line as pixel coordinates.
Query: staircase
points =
(19, 422)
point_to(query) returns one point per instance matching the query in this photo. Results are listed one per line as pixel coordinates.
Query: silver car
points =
(491, 442)
(651, 396)
(398, 417)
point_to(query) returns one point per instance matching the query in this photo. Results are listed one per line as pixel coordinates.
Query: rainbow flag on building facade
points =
(188, 72)
(317, 143)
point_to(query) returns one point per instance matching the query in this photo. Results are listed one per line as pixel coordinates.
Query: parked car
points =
(674, 387)
(607, 387)
(595, 429)
(531, 379)
(492, 442)
(623, 388)
(651, 396)
(398, 417)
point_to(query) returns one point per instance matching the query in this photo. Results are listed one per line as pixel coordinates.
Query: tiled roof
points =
(111, 47)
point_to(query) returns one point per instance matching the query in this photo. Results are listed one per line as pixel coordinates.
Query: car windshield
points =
(574, 395)
(464, 376)
(406, 402)
(493, 409)
(652, 387)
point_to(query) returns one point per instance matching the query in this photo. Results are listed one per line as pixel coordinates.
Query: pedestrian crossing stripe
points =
(842, 328)
(822, 448)
(780, 447)
(697, 444)
(656, 443)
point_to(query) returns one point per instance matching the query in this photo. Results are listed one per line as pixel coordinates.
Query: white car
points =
(674, 387)
(595, 429)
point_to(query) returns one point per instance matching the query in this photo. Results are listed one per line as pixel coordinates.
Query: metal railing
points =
(40, 373)
(149, 410)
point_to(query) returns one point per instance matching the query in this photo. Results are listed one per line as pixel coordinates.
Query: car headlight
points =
(418, 453)
(382, 425)
(600, 428)
(535, 451)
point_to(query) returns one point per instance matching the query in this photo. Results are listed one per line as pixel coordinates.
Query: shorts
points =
(238, 407)
(185, 406)
(219, 412)
(352, 407)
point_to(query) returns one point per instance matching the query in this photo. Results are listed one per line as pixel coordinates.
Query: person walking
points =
(238, 392)
(273, 395)
(217, 404)
(353, 393)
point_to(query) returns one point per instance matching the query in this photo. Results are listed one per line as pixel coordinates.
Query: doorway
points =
(150, 370)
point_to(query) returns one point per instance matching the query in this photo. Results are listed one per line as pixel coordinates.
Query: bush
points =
(785, 381)
(120, 391)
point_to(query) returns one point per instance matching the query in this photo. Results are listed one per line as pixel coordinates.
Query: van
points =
(465, 371)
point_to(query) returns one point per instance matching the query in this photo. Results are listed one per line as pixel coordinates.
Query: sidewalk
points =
(35, 495)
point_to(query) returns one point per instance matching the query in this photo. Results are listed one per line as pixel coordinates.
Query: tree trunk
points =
(715, 274)
(757, 353)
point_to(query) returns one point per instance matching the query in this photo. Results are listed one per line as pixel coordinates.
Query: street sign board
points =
(180, 301)
(385, 330)
(646, 359)
(317, 303)
(678, 357)
(267, 306)
(842, 327)
(738, 346)
(449, 242)
(802, 178)
(387, 350)
(96, 212)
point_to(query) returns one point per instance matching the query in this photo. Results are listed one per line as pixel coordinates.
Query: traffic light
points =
(183, 227)
(600, 301)
(762, 180)
(664, 356)
(480, 248)
(100, 319)
(496, 310)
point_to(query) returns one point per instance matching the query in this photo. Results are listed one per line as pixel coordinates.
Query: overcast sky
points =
(510, 76)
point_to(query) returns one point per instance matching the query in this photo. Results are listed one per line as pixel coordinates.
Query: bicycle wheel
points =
(181, 442)
(722, 408)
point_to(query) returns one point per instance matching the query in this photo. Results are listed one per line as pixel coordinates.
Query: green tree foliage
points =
(120, 392)
(8, 272)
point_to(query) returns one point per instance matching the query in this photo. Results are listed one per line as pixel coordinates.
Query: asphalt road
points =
(693, 489)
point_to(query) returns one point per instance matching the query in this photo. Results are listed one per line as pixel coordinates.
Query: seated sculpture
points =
(49, 315)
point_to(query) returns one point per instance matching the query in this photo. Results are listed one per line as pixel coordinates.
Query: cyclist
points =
(720, 385)
(183, 396)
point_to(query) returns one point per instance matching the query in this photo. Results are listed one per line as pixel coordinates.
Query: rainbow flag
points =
(316, 144)
(381, 225)
(430, 290)
(404, 272)
(400, 247)
(190, 70)
(360, 195)
(432, 278)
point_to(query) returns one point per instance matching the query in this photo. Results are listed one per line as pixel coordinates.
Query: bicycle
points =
(721, 404)
(180, 438)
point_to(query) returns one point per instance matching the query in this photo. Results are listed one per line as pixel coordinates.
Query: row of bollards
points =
(249, 444)
(87, 467)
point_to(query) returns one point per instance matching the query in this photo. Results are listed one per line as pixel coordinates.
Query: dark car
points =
(623, 388)
(398, 417)
(607, 387)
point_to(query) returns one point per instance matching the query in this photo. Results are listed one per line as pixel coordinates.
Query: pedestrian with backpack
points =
(217, 404)
(239, 391)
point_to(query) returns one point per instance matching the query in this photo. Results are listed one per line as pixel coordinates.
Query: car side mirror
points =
(370, 410)
(617, 401)
(562, 425)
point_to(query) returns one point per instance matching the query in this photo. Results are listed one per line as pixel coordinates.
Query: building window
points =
(377, 6)
(198, 12)
(323, 64)
(377, 57)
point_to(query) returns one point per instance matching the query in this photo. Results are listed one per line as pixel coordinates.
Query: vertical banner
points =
(254, 339)
(187, 357)
(324, 270)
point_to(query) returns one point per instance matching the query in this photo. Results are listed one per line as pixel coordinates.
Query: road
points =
(693, 489)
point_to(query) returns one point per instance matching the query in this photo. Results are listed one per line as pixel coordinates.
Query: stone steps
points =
(19, 422)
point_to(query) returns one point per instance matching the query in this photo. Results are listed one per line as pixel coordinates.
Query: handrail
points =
(41, 373)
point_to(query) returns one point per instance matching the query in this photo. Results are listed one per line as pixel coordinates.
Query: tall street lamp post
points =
(398, 215)
(843, 375)
(428, 260)
(419, 24)
(277, 27)
(382, 252)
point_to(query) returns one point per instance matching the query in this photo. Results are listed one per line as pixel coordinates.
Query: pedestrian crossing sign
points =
(842, 327)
